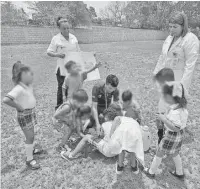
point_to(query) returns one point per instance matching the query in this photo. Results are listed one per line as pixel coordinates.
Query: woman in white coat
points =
(180, 53)
(61, 44)
(180, 50)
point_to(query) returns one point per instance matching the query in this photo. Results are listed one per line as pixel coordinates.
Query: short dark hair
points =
(83, 111)
(112, 80)
(69, 64)
(164, 75)
(116, 107)
(168, 90)
(60, 20)
(127, 95)
(80, 95)
(111, 113)
(17, 70)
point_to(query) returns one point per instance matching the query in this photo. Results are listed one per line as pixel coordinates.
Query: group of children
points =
(110, 126)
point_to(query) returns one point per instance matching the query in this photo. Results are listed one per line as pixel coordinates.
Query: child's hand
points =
(161, 117)
(20, 109)
(99, 64)
(61, 55)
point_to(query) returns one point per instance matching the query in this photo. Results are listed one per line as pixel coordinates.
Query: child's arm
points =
(65, 88)
(78, 128)
(169, 124)
(12, 103)
(94, 68)
(61, 113)
(115, 124)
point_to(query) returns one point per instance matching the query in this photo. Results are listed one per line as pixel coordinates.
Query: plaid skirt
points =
(171, 142)
(27, 119)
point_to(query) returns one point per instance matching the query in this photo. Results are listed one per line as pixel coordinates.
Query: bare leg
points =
(67, 134)
(121, 159)
(79, 147)
(133, 159)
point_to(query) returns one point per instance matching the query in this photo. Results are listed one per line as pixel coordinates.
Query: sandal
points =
(37, 151)
(33, 164)
(176, 175)
(146, 171)
(67, 155)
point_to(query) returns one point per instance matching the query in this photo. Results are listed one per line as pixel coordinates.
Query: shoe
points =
(146, 171)
(67, 155)
(37, 151)
(135, 169)
(176, 175)
(33, 164)
(119, 169)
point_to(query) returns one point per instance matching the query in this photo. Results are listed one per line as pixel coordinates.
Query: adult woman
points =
(180, 50)
(62, 43)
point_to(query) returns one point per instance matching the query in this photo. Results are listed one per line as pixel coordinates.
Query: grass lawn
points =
(133, 63)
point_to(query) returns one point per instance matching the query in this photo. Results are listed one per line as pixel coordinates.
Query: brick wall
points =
(24, 35)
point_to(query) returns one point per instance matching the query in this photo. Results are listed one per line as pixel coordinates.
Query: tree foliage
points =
(47, 12)
(150, 14)
(11, 15)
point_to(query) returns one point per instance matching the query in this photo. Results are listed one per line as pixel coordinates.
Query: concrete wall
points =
(27, 35)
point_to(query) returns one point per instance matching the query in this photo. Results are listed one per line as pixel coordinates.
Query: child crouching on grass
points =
(174, 121)
(66, 114)
(120, 134)
(21, 98)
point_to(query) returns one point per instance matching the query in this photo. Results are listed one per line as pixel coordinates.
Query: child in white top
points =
(174, 120)
(21, 98)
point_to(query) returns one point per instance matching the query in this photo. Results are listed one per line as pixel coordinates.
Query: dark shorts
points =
(27, 119)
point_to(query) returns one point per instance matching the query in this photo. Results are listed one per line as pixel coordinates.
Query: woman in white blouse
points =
(180, 50)
(62, 43)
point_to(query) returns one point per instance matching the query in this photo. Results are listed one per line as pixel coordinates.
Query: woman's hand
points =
(161, 117)
(19, 108)
(61, 55)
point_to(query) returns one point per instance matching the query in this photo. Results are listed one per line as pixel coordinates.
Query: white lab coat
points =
(181, 57)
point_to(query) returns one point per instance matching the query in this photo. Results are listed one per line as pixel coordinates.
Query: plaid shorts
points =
(171, 142)
(27, 119)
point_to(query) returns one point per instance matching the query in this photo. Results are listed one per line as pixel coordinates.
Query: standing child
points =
(174, 121)
(22, 99)
(75, 79)
(130, 106)
(66, 114)
(163, 76)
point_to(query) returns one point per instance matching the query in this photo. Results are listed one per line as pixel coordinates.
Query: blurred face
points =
(110, 88)
(27, 77)
(168, 99)
(78, 104)
(64, 29)
(159, 86)
(126, 104)
(84, 118)
(175, 30)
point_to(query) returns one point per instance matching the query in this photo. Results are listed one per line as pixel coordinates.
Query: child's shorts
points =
(102, 146)
(27, 119)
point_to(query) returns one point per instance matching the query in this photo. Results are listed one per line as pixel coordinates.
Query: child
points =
(164, 75)
(174, 121)
(131, 106)
(66, 114)
(21, 98)
(75, 80)
(120, 134)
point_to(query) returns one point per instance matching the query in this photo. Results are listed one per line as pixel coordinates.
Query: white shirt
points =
(23, 95)
(60, 45)
(177, 116)
(181, 57)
